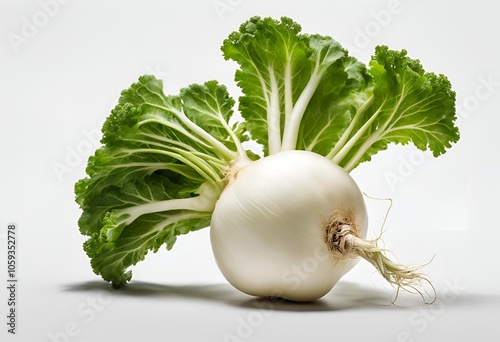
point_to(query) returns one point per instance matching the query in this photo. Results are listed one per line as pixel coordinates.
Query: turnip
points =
(288, 220)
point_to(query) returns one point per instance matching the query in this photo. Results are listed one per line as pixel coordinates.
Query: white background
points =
(60, 78)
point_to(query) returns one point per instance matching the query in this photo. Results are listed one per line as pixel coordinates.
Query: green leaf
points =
(343, 90)
(298, 89)
(305, 92)
(149, 232)
(116, 243)
(267, 50)
(207, 106)
(158, 174)
(408, 105)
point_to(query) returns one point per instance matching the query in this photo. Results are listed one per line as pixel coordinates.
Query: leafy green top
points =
(158, 174)
(305, 92)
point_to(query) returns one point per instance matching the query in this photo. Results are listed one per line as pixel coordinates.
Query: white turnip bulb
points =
(290, 225)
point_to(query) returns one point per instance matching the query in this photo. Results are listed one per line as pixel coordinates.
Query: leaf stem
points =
(197, 163)
(220, 147)
(273, 115)
(203, 202)
(292, 127)
(288, 91)
(374, 137)
(354, 139)
(345, 136)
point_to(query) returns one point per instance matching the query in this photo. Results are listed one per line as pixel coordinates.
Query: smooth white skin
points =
(267, 229)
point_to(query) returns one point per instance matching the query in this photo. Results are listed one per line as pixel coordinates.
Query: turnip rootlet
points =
(172, 164)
